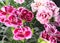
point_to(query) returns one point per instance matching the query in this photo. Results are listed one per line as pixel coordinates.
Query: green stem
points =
(7, 2)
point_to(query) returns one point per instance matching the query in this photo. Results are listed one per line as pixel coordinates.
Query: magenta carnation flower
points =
(48, 37)
(13, 21)
(7, 10)
(22, 33)
(25, 14)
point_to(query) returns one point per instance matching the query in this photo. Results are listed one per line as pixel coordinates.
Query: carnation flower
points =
(53, 7)
(37, 3)
(13, 21)
(22, 33)
(7, 10)
(48, 37)
(50, 8)
(25, 14)
(52, 31)
(44, 15)
(19, 1)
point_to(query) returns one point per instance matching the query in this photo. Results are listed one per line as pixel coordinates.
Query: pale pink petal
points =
(19, 1)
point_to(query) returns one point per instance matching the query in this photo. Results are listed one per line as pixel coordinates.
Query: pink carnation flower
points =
(22, 33)
(7, 10)
(53, 7)
(48, 37)
(37, 3)
(13, 21)
(52, 31)
(19, 1)
(25, 14)
(43, 15)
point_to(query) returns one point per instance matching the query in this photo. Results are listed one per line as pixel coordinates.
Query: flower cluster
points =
(13, 17)
(45, 10)
(18, 18)
(10, 18)
(37, 3)
(50, 33)
(48, 15)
